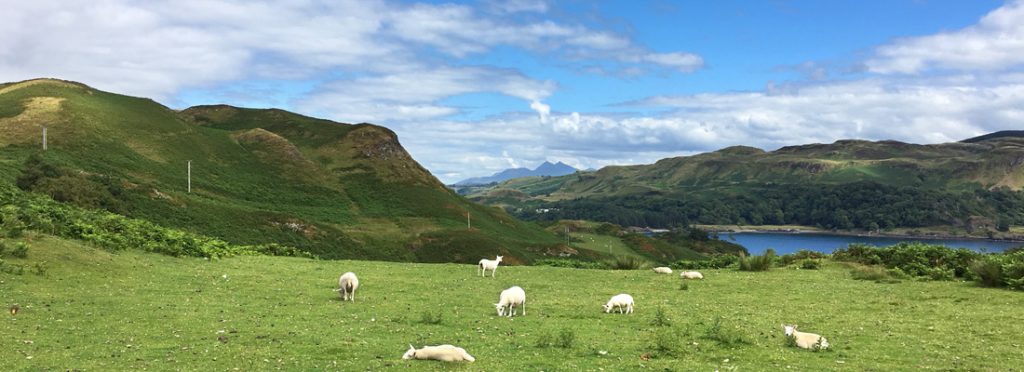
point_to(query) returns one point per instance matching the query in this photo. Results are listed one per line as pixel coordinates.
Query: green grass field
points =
(603, 243)
(95, 310)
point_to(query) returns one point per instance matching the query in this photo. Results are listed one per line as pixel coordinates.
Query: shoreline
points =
(790, 229)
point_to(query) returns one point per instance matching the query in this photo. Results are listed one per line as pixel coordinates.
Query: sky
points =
(474, 87)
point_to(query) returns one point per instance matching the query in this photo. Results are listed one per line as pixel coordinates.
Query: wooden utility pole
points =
(567, 236)
(469, 226)
(190, 176)
(44, 138)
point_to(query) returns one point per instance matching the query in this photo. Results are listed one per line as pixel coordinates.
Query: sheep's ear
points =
(411, 347)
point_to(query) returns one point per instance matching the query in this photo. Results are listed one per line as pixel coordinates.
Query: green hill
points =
(864, 173)
(258, 176)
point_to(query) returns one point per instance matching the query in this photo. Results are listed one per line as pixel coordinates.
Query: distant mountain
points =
(846, 184)
(995, 135)
(545, 169)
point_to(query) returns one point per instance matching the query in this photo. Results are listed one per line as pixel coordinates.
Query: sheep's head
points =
(410, 354)
(501, 309)
(606, 308)
(499, 258)
(789, 329)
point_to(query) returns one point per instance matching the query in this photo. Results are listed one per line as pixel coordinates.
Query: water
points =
(784, 243)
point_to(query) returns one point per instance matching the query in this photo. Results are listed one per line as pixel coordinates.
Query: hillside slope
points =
(843, 170)
(258, 176)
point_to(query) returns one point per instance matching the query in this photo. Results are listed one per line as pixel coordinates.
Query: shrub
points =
(715, 262)
(988, 272)
(20, 250)
(626, 263)
(810, 264)
(758, 263)
(800, 256)
(570, 263)
(915, 259)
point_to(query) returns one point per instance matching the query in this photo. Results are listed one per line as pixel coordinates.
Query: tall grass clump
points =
(626, 263)
(757, 263)
(1000, 270)
(571, 263)
(715, 262)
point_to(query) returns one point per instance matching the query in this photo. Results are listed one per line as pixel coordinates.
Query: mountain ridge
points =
(544, 169)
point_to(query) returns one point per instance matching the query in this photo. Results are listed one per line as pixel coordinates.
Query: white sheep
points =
(691, 275)
(347, 285)
(509, 299)
(444, 353)
(662, 270)
(621, 301)
(805, 340)
(492, 265)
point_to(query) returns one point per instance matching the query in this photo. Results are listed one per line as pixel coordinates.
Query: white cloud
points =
(685, 62)
(996, 42)
(543, 110)
(414, 94)
(916, 110)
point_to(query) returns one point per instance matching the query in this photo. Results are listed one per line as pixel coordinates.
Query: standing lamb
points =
(347, 285)
(691, 275)
(509, 299)
(444, 353)
(805, 340)
(662, 270)
(492, 265)
(621, 301)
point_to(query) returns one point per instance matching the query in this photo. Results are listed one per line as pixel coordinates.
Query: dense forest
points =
(860, 205)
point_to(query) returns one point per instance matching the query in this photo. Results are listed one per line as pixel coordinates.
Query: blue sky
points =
(473, 87)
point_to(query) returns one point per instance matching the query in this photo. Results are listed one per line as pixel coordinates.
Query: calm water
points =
(783, 243)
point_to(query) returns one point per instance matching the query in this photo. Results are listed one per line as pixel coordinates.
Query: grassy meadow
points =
(90, 309)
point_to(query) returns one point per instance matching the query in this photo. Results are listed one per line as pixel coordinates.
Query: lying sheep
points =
(509, 299)
(444, 353)
(805, 340)
(492, 265)
(621, 301)
(691, 275)
(347, 285)
(662, 270)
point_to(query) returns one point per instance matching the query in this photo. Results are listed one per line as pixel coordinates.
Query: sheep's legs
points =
(352, 297)
(524, 307)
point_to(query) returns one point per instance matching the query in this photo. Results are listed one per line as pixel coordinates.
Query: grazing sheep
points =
(347, 285)
(444, 353)
(805, 340)
(621, 301)
(662, 270)
(492, 265)
(509, 299)
(691, 275)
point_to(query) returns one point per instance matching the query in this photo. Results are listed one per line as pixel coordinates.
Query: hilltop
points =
(544, 169)
(258, 176)
(746, 185)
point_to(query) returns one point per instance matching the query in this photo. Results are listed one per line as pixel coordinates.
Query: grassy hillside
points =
(701, 188)
(258, 312)
(258, 176)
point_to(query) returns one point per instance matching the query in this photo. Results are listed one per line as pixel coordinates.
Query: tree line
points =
(860, 205)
